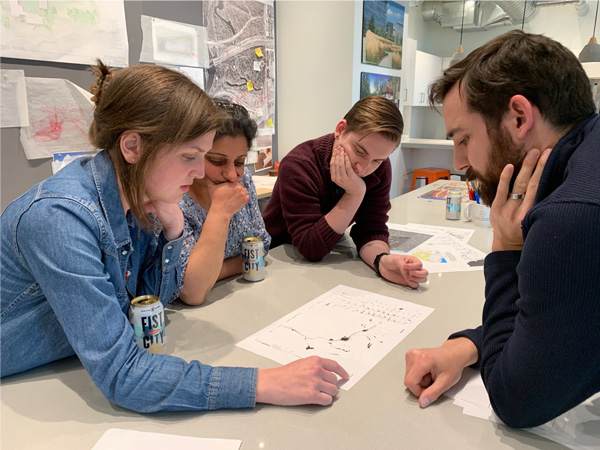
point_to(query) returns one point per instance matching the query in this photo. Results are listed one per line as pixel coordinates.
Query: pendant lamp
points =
(459, 55)
(591, 52)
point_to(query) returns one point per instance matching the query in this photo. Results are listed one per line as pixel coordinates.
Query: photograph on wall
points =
(264, 159)
(383, 27)
(383, 85)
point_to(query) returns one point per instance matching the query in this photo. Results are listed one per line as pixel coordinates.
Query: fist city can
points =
(253, 258)
(147, 318)
(453, 205)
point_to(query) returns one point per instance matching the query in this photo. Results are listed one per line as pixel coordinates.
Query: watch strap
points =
(376, 262)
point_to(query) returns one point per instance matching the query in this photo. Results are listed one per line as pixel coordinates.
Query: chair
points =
(430, 174)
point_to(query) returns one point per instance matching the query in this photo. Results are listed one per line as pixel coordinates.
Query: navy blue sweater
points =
(539, 345)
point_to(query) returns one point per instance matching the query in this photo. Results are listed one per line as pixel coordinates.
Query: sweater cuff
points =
(474, 336)
(328, 234)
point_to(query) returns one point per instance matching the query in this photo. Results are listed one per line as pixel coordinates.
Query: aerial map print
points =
(241, 47)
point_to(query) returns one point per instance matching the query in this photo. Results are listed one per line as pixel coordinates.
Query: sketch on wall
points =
(382, 30)
(241, 47)
(75, 32)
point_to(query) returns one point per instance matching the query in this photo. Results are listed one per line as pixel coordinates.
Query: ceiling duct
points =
(484, 15)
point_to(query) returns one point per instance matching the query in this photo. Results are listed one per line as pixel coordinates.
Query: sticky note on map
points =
(250, 85)
(270, 122)
(259, 52)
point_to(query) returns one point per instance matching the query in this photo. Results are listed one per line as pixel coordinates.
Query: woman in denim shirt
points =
(221, 209)
(79, 245)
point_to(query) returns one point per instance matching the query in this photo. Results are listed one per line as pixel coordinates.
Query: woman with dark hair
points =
(221, 209)
(77, 247)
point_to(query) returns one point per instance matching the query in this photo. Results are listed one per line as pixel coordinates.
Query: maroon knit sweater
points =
(304, 194)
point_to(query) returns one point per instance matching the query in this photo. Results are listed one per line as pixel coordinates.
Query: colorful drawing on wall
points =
(383, 85)
(383, 27)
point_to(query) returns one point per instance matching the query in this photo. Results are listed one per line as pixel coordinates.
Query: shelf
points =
(439, 144)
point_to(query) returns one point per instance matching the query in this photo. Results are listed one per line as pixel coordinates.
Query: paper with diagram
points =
(354, 327)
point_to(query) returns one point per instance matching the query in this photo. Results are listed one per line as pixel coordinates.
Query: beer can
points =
(253, 258)
(453, 205)
(147, 317)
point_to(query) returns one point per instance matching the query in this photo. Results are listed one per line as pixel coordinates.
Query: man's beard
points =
(503, 151)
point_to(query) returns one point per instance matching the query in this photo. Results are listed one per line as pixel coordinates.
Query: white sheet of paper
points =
(168, 42)
(71, 32)
(367, 327)
(117, 439)
(13, 107)
(462, 234)
(60, 115)
(445, 253)
(264, 181)
(195, 74)
(577, 428)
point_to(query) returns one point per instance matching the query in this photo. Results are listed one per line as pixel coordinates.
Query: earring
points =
(132, 160)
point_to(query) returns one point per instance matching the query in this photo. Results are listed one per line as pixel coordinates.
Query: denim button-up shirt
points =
(71, 259)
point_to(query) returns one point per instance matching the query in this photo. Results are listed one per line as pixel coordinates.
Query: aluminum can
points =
(147, 317)
(453, 208)
(253, 258)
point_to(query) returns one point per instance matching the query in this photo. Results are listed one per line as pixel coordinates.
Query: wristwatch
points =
(376, 263)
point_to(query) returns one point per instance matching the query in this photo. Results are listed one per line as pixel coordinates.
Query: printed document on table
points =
(117, 439)
(577, 428)
(445, 253)
(442, 249)
(356, 328)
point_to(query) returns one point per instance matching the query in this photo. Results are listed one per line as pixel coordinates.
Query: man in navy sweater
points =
(538, 348)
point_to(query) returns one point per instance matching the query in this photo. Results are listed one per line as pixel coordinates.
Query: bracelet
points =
(376, 263)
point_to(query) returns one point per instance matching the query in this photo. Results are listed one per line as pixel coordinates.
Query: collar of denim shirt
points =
(109, 195)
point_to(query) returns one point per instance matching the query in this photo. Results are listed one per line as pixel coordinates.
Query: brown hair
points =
(517, 63)
(162, 105)
(375, 114)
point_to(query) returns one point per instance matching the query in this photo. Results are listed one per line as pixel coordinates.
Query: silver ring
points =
(513, 196)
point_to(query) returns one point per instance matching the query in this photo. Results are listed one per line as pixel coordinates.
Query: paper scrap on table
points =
(60, 115)
(118, 439)
(576, 429)
(13, 107)
(356, 328)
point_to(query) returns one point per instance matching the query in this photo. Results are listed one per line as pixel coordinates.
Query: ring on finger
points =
(513, 196)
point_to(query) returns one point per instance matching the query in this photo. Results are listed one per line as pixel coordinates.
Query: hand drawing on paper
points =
(354, 327)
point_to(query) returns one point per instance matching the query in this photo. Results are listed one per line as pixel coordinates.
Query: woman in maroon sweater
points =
(326, 184)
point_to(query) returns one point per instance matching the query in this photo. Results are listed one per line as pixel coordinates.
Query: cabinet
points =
(423, 68)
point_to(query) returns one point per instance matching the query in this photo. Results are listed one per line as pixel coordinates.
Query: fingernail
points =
(424, 402)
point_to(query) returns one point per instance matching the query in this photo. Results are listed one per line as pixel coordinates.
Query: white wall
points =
(314, 68)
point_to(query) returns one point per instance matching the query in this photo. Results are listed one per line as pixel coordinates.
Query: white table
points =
(58, 407)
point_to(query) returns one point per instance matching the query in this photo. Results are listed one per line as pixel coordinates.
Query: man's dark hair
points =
(517, 63)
